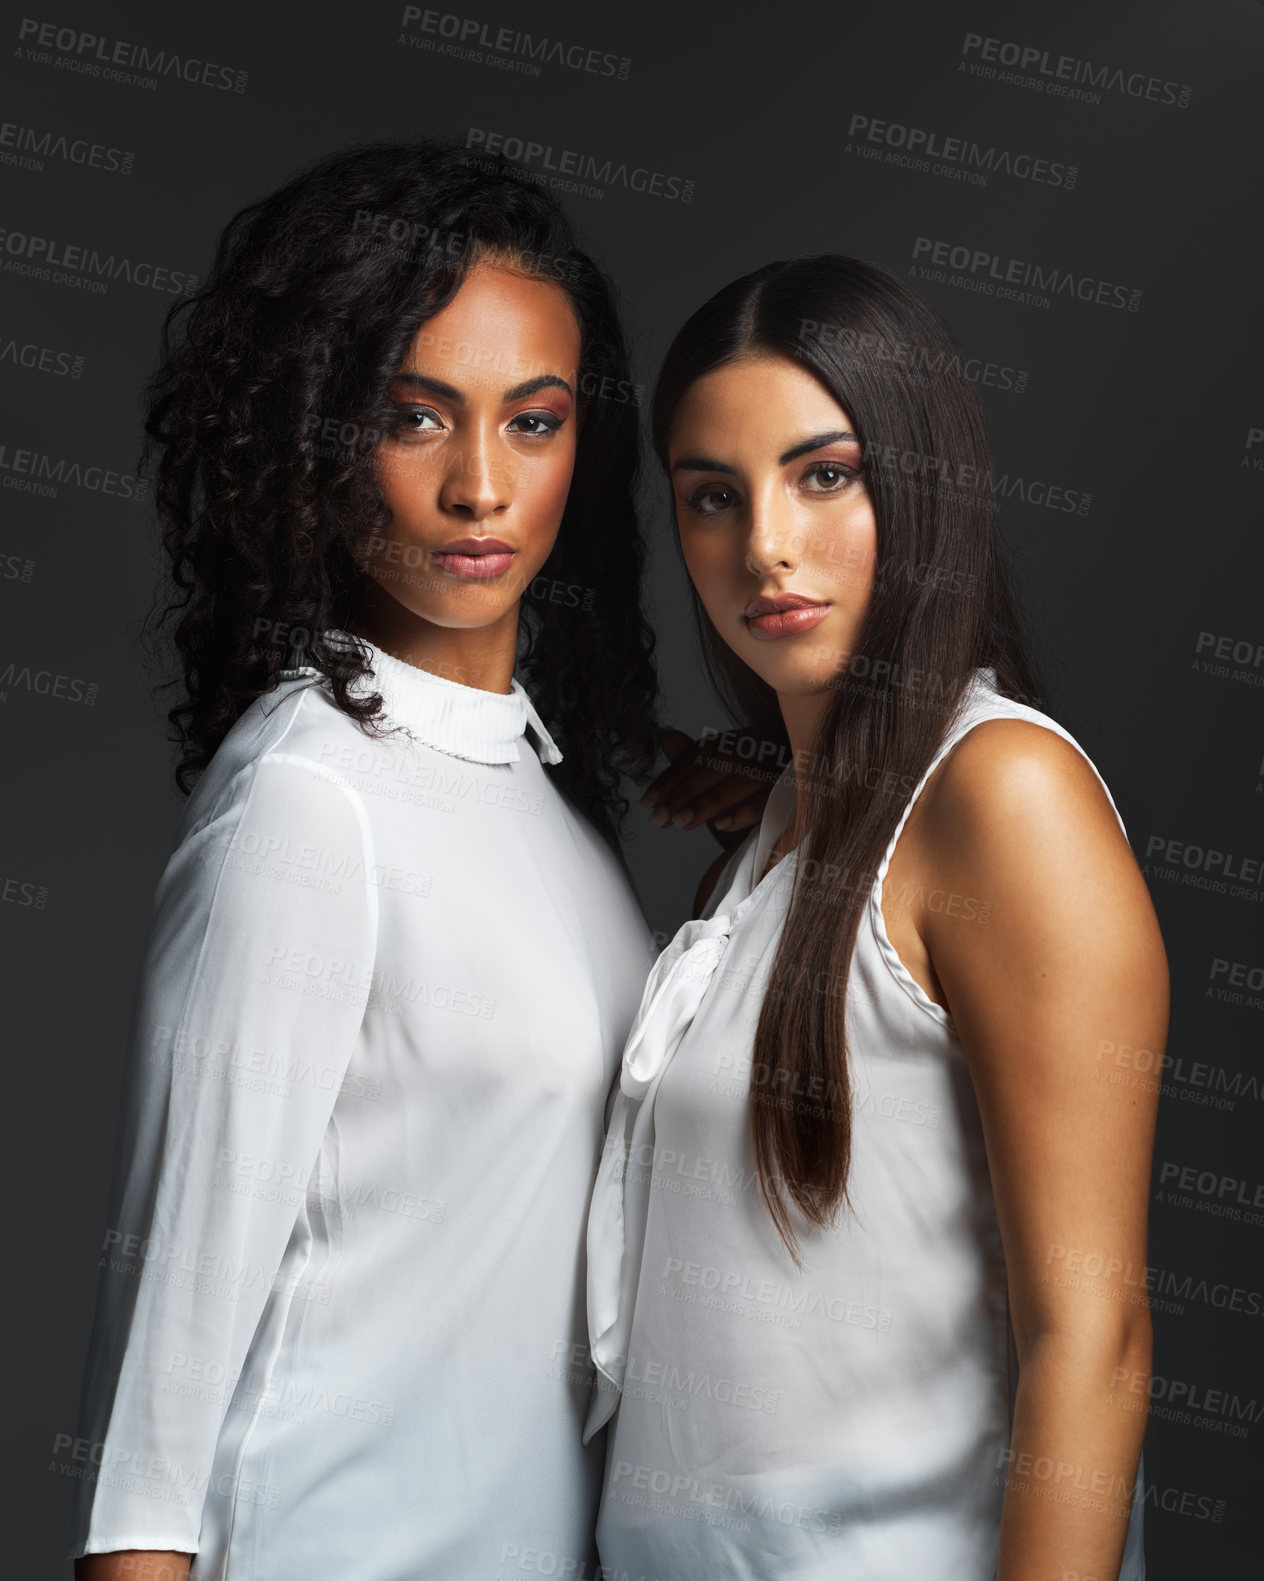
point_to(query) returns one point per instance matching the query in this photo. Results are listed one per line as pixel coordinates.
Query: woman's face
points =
(477, 464)
(776, 525)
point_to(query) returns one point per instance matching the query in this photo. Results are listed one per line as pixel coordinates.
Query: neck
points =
(802, 717)
(479, 656)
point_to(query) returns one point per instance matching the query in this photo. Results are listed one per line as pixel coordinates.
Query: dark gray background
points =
(1149, 412)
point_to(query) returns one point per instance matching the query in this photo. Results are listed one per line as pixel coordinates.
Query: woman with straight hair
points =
(867, 1246)
(394, 955)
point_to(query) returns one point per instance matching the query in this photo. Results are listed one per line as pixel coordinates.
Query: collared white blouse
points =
(340, 1328)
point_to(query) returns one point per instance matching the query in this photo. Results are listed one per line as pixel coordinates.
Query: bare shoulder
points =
(1018, 816)
(1014, 784)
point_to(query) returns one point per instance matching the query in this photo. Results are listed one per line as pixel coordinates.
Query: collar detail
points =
(463, 721)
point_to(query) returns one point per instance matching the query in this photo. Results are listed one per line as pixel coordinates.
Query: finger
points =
(695, 768)
(694, 773)
(729, 839)
(684, 793)
(674, 741)
(744, 752)
(753, 771)
(690, 788)
(682, 750)
(724, 795)
(738, 819)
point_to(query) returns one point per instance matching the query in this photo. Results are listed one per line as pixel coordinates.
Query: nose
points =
(476, 483)
(771, 540)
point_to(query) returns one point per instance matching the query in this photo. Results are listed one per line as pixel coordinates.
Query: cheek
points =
(709, 560)
(845, 552)
(540, 488)
(404, 479)
(548, 482)
(699, 557)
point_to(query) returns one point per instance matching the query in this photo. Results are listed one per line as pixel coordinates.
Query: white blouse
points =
(340, 1327)
(852, 1420)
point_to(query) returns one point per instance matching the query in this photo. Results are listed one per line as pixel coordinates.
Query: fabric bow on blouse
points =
(616, 1223)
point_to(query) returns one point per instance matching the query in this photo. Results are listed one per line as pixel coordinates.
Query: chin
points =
(790, 666)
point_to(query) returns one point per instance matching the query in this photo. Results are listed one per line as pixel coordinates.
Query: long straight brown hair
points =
(941, 606)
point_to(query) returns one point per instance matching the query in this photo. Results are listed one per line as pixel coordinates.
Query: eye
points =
(548, 423)
(833, 477)
(418, 419)
(710, 500)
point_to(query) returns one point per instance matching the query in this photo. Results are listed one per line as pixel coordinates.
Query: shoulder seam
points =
(962, 727)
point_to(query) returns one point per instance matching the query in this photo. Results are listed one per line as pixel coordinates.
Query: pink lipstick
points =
(479, 558)
(784, 615)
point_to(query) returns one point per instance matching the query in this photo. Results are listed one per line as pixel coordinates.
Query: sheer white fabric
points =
(340, 1329)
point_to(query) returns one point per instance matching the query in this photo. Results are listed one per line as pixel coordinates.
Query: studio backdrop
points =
(1073, 186)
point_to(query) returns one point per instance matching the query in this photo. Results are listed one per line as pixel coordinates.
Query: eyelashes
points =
(401, 416)
(552, 422)
(841, 479)
(549, 422)
(845, 475)
(695, 501)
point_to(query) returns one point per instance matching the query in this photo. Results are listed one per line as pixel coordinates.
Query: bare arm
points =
(1070, 963)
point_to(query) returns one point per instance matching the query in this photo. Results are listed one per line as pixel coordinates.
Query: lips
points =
(478, 558)
(784, 615)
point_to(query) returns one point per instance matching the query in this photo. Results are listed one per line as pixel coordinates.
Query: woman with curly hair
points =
(340, 1323)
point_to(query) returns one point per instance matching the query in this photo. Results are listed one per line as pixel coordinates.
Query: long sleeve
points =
(256, 975)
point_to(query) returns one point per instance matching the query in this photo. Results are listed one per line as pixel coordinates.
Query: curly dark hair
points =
(315, 294)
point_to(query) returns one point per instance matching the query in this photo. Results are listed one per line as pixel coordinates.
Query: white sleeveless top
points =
(851, 1420)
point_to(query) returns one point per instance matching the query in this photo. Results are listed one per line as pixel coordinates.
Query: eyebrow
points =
(816, 442)
(420, 381)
